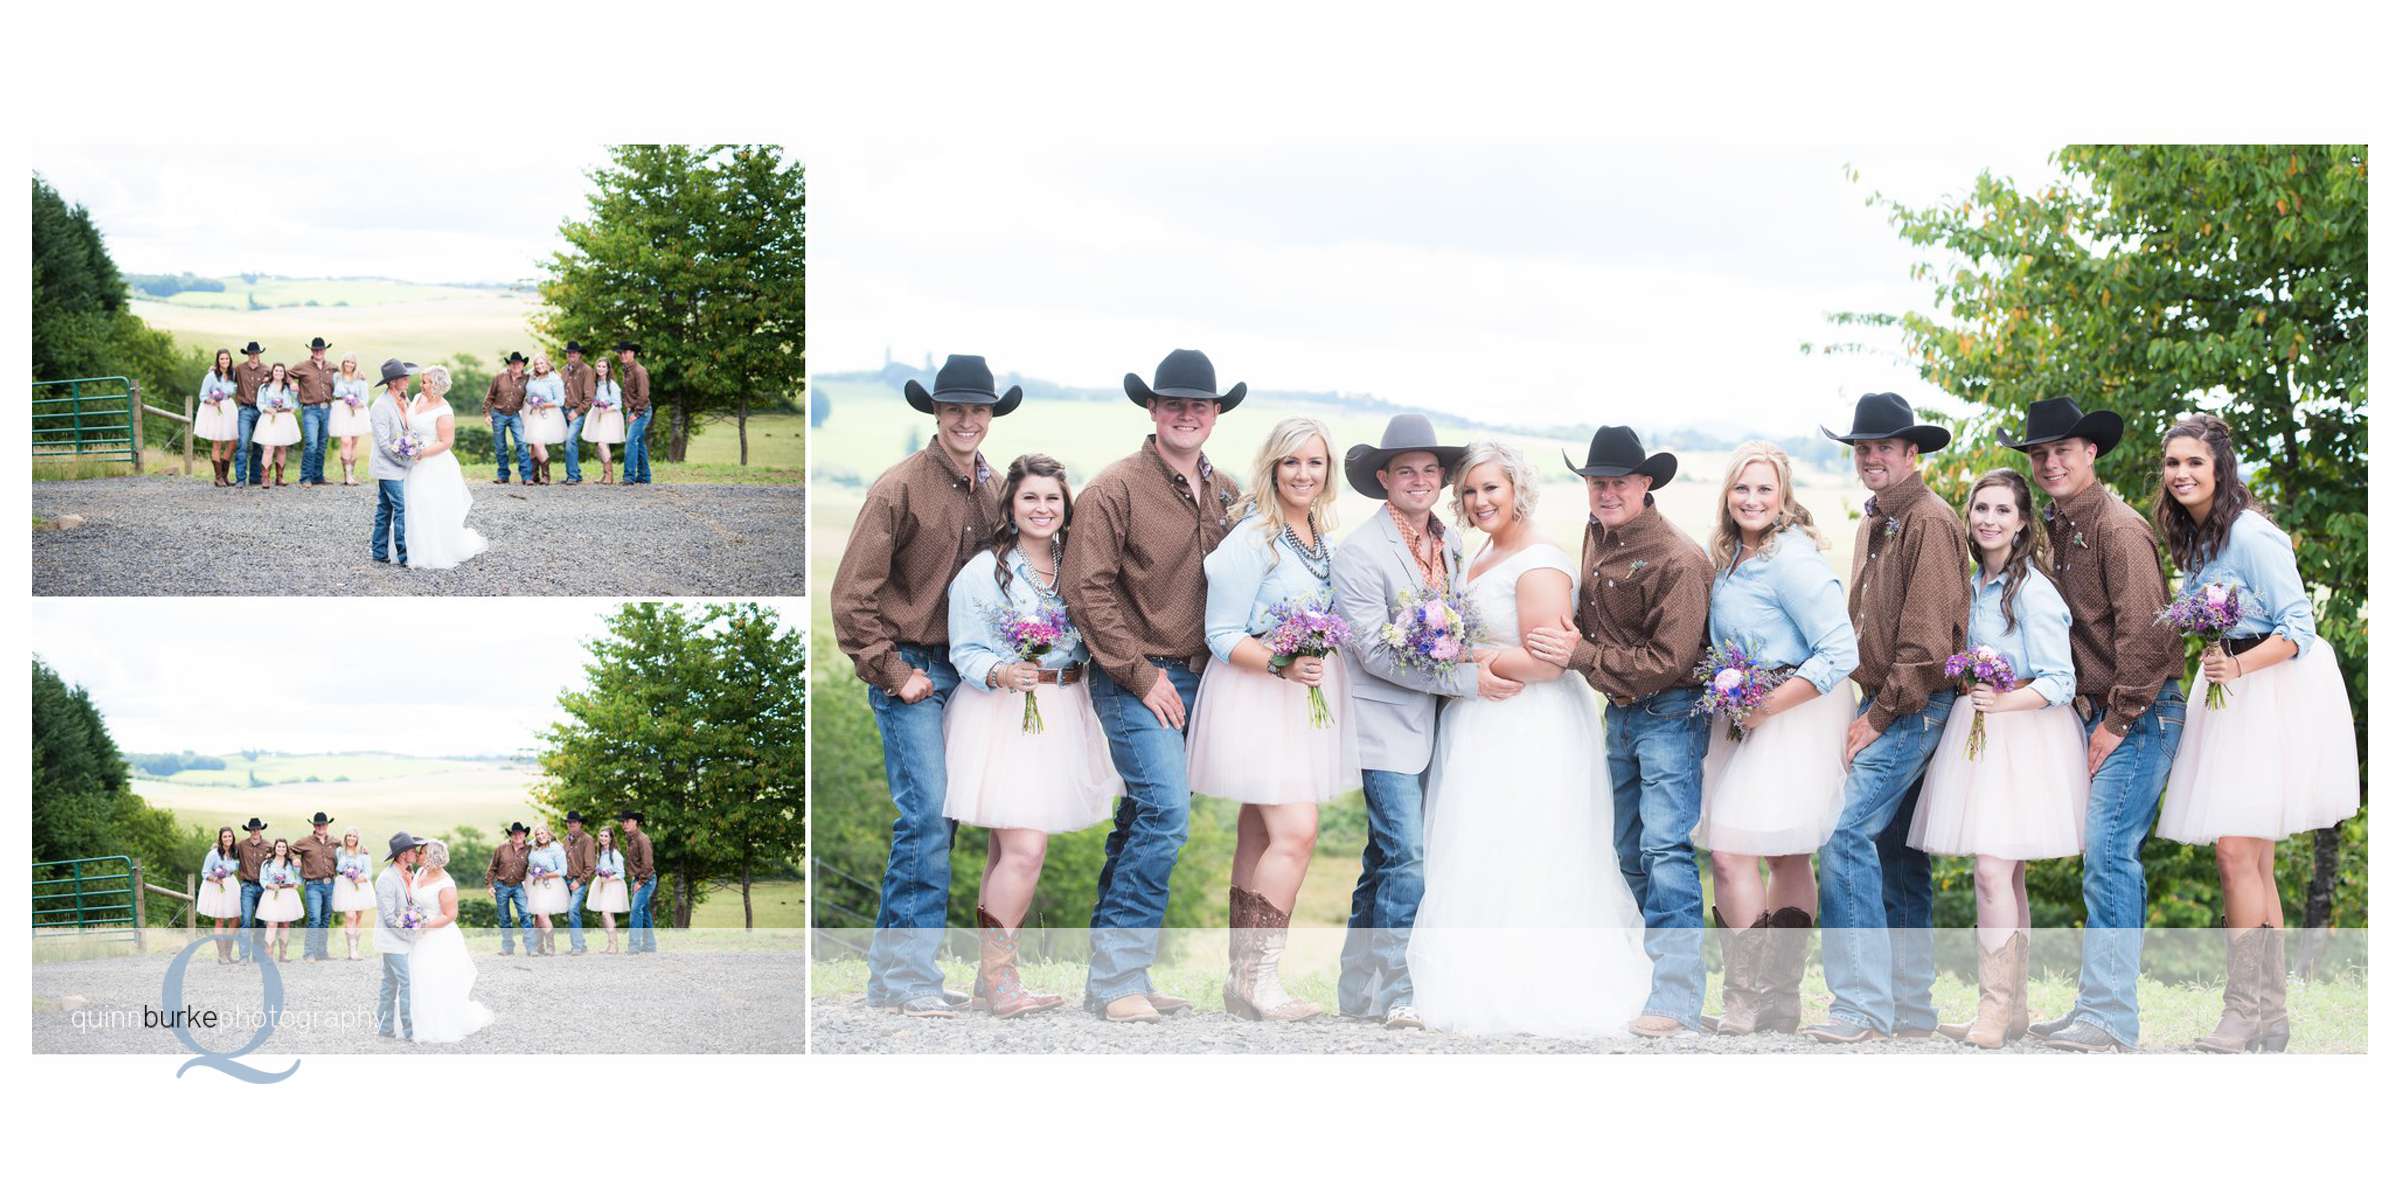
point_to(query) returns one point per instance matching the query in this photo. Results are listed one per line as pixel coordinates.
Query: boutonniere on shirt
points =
(1636, 568)
(2079, 539)
(1891, 527)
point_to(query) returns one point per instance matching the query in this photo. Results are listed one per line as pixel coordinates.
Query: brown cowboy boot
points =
(218, 465)
(279, 476)
(2267, 990)
(1238, 940)
(1745, 961)
(996, 976)
(2237, 1028)
(1785, 961)
(1263, 997)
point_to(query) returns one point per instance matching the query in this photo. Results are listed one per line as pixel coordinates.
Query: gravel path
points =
(169, 535)
(845, 1025)
(673, 1002)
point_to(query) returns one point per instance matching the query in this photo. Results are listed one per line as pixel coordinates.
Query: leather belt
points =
(2245, 645)
(1065, 677)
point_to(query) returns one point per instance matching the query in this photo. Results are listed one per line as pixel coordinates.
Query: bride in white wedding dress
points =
(434, 518)
(441, 977)
(1526, 925)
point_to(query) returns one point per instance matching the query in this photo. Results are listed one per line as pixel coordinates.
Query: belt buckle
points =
(2083, 707)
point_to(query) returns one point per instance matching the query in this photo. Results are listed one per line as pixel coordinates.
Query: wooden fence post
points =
(191, 912)
(140, 942)
(187, 448)
(134, 411)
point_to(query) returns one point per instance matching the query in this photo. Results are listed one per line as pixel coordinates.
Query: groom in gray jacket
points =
(387, 419)
(393, 937)
(1404, 549)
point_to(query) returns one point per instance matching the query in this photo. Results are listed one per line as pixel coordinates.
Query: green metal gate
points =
(85, 418)
(84, 894)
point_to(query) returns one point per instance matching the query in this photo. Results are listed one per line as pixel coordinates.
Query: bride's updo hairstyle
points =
(1513, 467)
(435, 379)
(437, 854)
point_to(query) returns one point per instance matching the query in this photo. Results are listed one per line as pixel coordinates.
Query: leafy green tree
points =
(2158, 281)
(82, 326)
(83, 804)
(695, 252)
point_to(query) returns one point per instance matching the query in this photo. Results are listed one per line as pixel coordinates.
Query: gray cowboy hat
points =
(1184, 375)
(395, 369)
(2060, 417)
(963, 379)
(402, 843)
(1882, 415)
(1617, 450)
(1401, 435)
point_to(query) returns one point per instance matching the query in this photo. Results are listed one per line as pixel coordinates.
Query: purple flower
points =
(1736, 685)
(1310, 630)
(1977, 666)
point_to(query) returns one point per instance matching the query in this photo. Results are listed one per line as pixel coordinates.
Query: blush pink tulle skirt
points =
(1001, 777)
(1779, 789)
(2280, 758)
(1251, 741)
(2024, 798)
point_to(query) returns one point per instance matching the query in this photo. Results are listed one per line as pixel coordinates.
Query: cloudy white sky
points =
(1551, 283)
(457, 214)
(297, 675)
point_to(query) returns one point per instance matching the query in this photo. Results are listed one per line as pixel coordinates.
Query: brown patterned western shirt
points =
(315, 853)
(1909, 599)
(581, 383)
(921, 522)
(1139, 588)
(506, 395)
(638, 861)
(315, 381)
(583, 857)
(637, 389)
(1642, 607)
(2106, 563)
(247, 376)
(253, 852)
(508, 863)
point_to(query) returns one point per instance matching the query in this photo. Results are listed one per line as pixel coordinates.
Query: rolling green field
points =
(378, 793)
(372, 319)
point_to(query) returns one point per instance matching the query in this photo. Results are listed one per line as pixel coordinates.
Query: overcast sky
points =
(1643, 283)
(457, 214)
(303, 675)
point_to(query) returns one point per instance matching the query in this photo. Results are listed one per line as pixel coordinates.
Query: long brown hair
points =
(2027, 552)
(1004, 530)
(226, 356)
(2189, 541)
(226, 844)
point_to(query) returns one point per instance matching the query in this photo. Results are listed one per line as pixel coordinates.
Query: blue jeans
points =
(1153, 818)
(2116, 901)
(391, 528)
(1383, 907)
(913, 913)
(391, 998)
(1655, 748)
(575, 913)
(317, 894)
(246, 455)
(1864, 891)
(312, 441)
(250, 895)
(504, 895)
(641, 936)
(507, 428)
(574, 460)
(637, 447)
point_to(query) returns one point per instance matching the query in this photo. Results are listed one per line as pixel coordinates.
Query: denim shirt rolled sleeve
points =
(1247, 577)
(2037, 646)
(551, 858)
(976, 603)
(231, 865)
(609, 862)
(2258, 560)
(1787, 608)
(549, 389)
(345, 861)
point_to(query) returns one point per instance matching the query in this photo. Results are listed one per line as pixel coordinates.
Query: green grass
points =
(419, 322)
(382, 793)
(775, 903)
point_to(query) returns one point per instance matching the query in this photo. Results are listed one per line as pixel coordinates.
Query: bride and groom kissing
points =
(428, 982)
(421, 497)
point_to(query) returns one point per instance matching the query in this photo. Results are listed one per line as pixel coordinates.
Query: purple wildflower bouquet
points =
(413, 917)
(2204, 618)
(1310, 630)
(1733, 683)
(1980, 665)
(355, 401)
(536, 873)
(1030, 636)
(1431, 633)
(217, 875)
(355, 873)
(408, 445)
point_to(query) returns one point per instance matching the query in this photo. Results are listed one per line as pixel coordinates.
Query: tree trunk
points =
(741, 425)
(746, 923)
(2328, 864)
(683, 900)
(682, 430)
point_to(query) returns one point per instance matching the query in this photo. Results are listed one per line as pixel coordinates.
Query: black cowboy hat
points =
(320, 818)
(395, 369)
(629, 344)
(518, 827)
(1885, 415)
(1617, 450)
(630, 815)
(255, 825)
(1184, 375)
(2060, 417)
(574, 818)
(402, 843)
(319, 344)
(254, 347)
(1401, 435)
(963, 379)
(574, 347)
(514, 357)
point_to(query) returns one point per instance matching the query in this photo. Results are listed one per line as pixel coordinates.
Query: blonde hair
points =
(351, 834)
(1726, 539)
(435, 379)
(1289, 437)
(540, 360)
(1513, 467)
(541, 835)
(437, 854)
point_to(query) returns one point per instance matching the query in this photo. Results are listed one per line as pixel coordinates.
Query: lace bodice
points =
(1494, 593)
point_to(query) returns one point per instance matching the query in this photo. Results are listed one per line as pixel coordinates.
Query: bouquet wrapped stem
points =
(1734, 685)
(1307, 631)
(2204, 618)
(1978, 666)
(1032, 636)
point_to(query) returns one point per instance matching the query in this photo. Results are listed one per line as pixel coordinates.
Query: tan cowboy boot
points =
(2274, 1024)
(1785, 961)
(996, 975)
(1265, 999)
(1996, 981)
(1238, 941)
(2020, 1015)
(2237, 1029)
(1745, 960)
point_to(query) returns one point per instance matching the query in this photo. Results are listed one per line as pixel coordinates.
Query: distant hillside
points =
(374, 318)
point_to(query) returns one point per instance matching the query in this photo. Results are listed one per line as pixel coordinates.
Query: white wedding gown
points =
(441, 977)
(436, 498)
(1526, 925)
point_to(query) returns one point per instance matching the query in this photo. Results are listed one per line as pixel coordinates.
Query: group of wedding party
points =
(2019, 695)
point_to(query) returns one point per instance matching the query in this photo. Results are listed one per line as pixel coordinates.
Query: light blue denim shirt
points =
(344, 860)
(2258, 559)
(975, 605)
(231, 862)
(2037, 648)
(268, 393)
(550, 388)
(608, 394)
(609, 861)
(552, 858)
(212, 382)
(351, 387)
(1788, 609)
(1247, 576)
(270, 875)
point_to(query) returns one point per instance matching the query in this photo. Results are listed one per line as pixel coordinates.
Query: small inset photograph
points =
(482, 831)
(400, 370)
